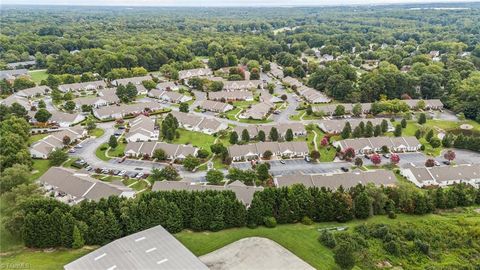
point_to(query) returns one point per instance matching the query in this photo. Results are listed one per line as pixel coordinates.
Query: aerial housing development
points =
(236, 137)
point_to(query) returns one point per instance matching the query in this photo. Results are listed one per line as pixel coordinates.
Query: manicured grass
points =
(244, 104)
(40, 166)
(326, 154)
(38, 75)
(119, 150)
(42, 260)
(254, 121)
(97, 132)
(101, 153)
(36, 138)
(231, 114)
(302, 239)
(194, 138)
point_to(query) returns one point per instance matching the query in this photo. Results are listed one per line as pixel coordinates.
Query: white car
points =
(139, 175)
(122, 173)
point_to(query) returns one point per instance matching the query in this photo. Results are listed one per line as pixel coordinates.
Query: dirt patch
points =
(477, 210)
(254, 253)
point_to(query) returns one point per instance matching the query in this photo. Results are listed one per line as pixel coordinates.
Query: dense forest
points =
(399, 39)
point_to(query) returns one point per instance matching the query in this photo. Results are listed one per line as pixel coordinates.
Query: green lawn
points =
(40, 166)
(119, 150)
(97, 132)
(194, 138)
(302, 239)
(36, 138)
(231, 114)
(101, 153)
(38, 75)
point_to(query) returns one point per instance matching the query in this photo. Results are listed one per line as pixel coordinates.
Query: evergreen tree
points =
(422, 119)
(398, 131)
(233, 137)
(112, 142)
(429, 135)
(347, 129)
(384, 126)
(343, 255)
(362, 127)
(261, 136)
(289, 135)
(362, 205)
(369, 130)
(357, 132)
(273, 134)
(245, 135)
(404, 123)
(377, 131)
(77, 237)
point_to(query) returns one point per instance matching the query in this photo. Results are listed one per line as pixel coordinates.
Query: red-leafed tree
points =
(376, 159)
(324, 142)
(430, 162)
(349, 153)
(449, 155)
(394, 159)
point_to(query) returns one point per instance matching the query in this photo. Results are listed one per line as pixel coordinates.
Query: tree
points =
(214, 177)
(112, 142)
(404, 123)
(159, 154)
(376, 159)
(418, 134)
(245, 135)
(169, 127)
(449, 155)
(347, 129)
(66, 140)
(41, 104)
(377, 131)
(447, 140)
(339, 110)
(190, 162)
(202, 153)
(349, 153)
(429, 135)
(369, 130)
(384, 125)
(394, 159)
(183, 107)
(435, 142)
(18, 110)
(261, 136)
(289, 135)
(327, 239)
(78, 241)
(21, 83)
(267, 154)
(168, 173)
(422, 119)
(324, 142)
(343, 255)
(273, 134)
(262, 172)
(420, 105)
(357, 110)
(430, 162)
(398, 131)
(69, 105)
(14, 176)
(315, 155)
(357, 132)
(362, 205)
(90, 124)
(57, 157)
(358, 162)
(233, 137)
(42, 115)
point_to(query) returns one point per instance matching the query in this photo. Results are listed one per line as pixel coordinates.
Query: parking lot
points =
(293, 166)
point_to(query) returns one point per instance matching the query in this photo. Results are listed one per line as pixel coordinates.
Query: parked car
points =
(78, 146)
(446, 162)
(139, 175)
(89, 168)
(307, 159)
(386, 155)
(122, 173)
(131, 174)
(115, 172)
(345, 169)
(366, 156)
(138, 169)
(282, 161)
(72, 151)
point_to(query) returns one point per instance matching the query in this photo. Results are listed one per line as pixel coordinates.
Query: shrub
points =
(410, 235)
(361, 229)
(392, 215)
(327, 239)
(391, 247)
(422, 247)
(270, 222)
(307, 221)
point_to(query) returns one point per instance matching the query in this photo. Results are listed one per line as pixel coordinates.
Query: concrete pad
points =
(254, 253)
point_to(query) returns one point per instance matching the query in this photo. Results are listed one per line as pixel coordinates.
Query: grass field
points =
(194, 138)
(38, 75)
(36, 138)
(97, 132)
(40, 166)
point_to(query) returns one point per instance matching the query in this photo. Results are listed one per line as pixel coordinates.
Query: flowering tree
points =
(376, 159)
(394, 159)
(324, 142)
(449, 155)
(349, 153)
(430, 162)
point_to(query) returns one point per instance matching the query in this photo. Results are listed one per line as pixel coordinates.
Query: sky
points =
(217, 3)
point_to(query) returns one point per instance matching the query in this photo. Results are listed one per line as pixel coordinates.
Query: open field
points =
(38, 75)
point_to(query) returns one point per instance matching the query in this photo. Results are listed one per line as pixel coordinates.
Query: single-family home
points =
(16, 99)
(109, 94)
(329, 109)
(172, 151)
(54, 140)
(265, 96)
(276, 71)
(226, 96)
(22, 64)
(242, 85)
(142, 129)
(278, 149)
(290, 81)
(11, 74)
(196, 72)
(63, 119)
(199, 123)
(375, 144)
(443, 175)
(119, 111)
(34, 91)
(72, 187)
(335, 180)
(215, 106)
(169, 96)
(257, 111)
(312, 96)
(82, 86)
(168, 86)
(94, 102)
(134, 80)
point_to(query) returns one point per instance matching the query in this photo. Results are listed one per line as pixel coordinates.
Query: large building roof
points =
(153, 248)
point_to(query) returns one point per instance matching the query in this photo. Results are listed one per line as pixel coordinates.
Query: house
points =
(94, 102)
(197, 72)
(312, 96)
(430, 104)
(168, 86)
(119, 111)
(292, 82)
(443, 175)
(375, 144)
(83, 86)
(134, 80)
(11, 75)
(198, 123)
(172, 151)
(329, 109)
(226, 96)
(72, 187)
(336, 126)
(335, 180)
(243, 192)
(142, 129)
(215, 106)
(34, 91)
(169, 96)
(153, 248)
(258, 111)
(276, 71)
(242, 85)
(298, 129)
(63, 119)
(22, 64)
(326, 58)
(46, 145)
(278, 149)
(265, 96)
(16, 99)
(109, 94)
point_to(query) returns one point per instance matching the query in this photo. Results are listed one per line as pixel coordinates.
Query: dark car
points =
(446, 162)
(366, 156)
(345, 169)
